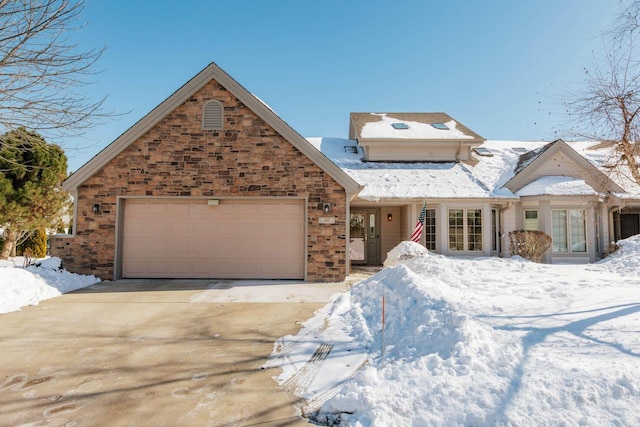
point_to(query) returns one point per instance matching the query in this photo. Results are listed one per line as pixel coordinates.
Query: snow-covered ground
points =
(474, 342)
(20, 287)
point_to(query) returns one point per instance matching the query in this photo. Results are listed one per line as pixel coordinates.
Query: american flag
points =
(417, 232)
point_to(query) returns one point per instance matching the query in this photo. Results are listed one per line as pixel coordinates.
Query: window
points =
(456, 229)
(531, 220)
(495, 231)
(482, 151)
(400, 125)
(569, 230)
(474, 227)
(212, 116)
(430, 230)
(440, 126)
(465, 229)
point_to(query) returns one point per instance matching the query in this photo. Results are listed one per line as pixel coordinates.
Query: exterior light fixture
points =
(326, 208)
(389, 217)
(96, 208)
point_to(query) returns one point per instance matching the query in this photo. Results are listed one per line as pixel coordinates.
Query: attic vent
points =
(483, 151)
(440, 126)
(400, 125)
(212, 116)
(350, 149)
(520, 150)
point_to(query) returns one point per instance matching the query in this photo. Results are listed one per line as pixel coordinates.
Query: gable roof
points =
(359, 121)
(211, 72)
(529, 162)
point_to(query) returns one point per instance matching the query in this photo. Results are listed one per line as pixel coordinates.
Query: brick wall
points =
(177, 158)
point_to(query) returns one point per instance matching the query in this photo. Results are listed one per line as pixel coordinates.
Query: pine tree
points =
(31, 171)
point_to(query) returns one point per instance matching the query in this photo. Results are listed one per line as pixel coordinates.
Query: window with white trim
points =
(212, 115)
(495, 230)
(430, 229)
(531, 220)
(465, 230)
(569, 230)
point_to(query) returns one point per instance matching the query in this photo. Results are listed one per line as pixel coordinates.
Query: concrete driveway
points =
(153, 353)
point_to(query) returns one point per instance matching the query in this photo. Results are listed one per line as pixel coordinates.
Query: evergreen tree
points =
(31, 171)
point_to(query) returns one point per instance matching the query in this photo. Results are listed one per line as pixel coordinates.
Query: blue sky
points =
(494, 65)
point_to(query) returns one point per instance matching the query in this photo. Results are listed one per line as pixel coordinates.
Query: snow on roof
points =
(399, 180)
(605, 158)
(556, 186)
(483, 178)
(414, 130)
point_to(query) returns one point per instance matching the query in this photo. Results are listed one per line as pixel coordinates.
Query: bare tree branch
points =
(607, 108)
(42, 70)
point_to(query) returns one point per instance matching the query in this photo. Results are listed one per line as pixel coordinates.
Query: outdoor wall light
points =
(326, 208)
(96, 208)
(389, 217)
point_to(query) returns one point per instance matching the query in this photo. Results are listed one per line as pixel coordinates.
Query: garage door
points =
(247, 239)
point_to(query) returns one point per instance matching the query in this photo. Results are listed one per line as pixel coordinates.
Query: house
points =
(214, 184)
(210, 183)
(477, 191)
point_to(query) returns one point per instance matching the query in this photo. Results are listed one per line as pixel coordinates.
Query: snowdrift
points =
(474, 342)
(20, 287)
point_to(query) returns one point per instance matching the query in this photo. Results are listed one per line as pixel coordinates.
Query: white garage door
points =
(244, 239)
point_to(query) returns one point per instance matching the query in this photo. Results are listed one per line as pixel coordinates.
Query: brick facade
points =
(176, 158)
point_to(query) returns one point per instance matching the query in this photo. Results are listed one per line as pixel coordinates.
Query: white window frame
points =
(466, 241)
(569, 231)
(525, 219)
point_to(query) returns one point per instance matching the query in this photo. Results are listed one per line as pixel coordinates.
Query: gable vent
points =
(212, 116)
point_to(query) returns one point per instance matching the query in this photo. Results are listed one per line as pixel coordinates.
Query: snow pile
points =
(480, 342)
(20, 287)
(404, 251)
(431, 350)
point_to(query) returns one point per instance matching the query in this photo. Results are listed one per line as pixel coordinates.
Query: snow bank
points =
(439, 363)
(626, 259)
(482, 342)
(20, 287)
(403, 252)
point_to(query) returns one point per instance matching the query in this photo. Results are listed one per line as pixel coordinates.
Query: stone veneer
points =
(176, 158)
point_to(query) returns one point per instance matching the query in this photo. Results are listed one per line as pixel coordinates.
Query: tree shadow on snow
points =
(535, 336)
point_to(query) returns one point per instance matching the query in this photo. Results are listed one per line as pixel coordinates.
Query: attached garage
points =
(222, 238)
(145, 206)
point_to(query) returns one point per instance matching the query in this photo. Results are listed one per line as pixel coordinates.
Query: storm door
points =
(364, 243)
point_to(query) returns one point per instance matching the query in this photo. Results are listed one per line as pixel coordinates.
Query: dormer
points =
(412, 137)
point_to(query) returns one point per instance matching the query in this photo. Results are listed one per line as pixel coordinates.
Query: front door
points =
(364, 243)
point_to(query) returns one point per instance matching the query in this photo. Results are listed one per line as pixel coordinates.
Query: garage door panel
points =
(235, 239)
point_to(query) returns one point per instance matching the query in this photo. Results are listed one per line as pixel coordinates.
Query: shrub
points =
(528, 244)
(35, 246)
